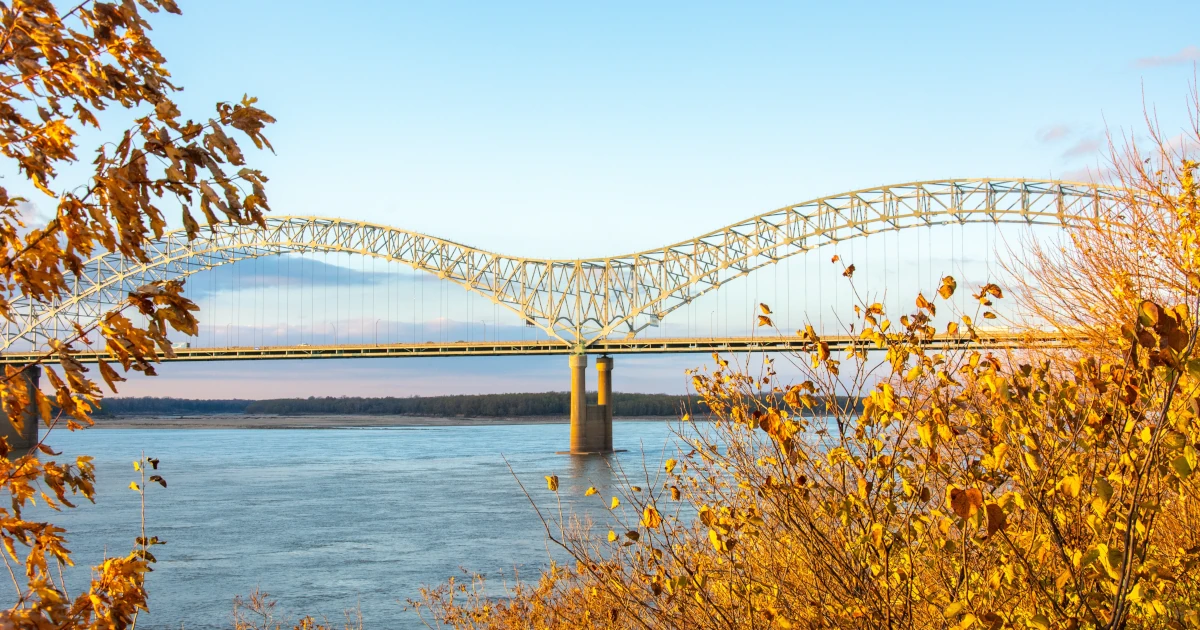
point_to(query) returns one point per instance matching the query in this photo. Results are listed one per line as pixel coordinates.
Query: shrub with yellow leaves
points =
(967, 489)
(58, 69)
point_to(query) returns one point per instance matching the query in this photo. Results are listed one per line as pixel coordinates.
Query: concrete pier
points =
(591, 425)
(579, 433)
(604, 366)
(21, 439)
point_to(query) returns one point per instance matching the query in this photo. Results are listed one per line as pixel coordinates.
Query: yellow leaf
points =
(615, 503)
(651, 518)
(766, 310)
(1070, 485)
(612, 536)
(590, 491)
(552, 482)
(947, 288)
(137, 465)
(669, 465)
(763, 320)
(924, 304)
(133, 486)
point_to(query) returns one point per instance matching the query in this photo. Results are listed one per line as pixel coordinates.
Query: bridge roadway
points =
(636, 345)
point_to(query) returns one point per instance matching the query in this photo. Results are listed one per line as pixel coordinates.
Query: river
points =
(329, 520)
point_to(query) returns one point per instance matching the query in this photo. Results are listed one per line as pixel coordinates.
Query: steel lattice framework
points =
(579, 302)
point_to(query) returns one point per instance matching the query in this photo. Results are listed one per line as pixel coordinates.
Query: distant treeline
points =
(149, 406)
(483, 405)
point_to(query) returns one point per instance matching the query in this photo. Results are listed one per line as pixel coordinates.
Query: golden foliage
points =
(966, 489)
(57, 71)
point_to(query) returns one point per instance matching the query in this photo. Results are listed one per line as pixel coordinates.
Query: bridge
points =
(601, 306)
(991, 340)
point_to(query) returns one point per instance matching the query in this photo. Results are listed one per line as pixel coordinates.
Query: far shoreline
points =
(243, 421)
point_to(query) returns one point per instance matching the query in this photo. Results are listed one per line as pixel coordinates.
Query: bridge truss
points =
(580, 303)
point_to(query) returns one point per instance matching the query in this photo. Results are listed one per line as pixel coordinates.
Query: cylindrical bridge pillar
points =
(604, 366)
(591, 425)
(22, 438)
(579, 432)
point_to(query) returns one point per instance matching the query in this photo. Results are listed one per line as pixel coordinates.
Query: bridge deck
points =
(605, 346)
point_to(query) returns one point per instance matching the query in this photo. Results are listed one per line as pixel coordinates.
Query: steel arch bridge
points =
(578, 302)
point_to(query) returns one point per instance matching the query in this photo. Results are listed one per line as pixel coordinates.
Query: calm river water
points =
(332, 519)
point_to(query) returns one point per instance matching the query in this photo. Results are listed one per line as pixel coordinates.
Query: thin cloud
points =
(1182, 144)
(272, 271)
(1085, 146)
(1053, 134)
(1188, 54)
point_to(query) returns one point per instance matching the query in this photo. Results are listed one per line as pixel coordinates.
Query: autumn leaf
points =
(923, 303)
(766, 310)
(615, 503)
(849, 272)
(552, 482)
(996, 519)
(1182, 466)
(669, 465)
(947, 288)
(763, 320)
(651, 518)
(590, 491)
(965, 502)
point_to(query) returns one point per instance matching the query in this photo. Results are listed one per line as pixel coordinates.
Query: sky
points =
(588, 129)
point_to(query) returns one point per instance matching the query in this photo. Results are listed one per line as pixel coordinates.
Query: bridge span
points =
(634, 345)
(582, 306)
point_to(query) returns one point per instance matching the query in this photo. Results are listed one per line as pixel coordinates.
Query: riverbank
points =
(244, 421)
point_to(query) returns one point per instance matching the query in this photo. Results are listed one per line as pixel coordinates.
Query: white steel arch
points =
(584, 300)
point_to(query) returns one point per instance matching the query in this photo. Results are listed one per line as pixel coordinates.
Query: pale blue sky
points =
(573, 129)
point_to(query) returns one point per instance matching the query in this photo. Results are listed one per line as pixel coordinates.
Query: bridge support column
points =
(591, 431)
(21, 439)
(604, 366)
